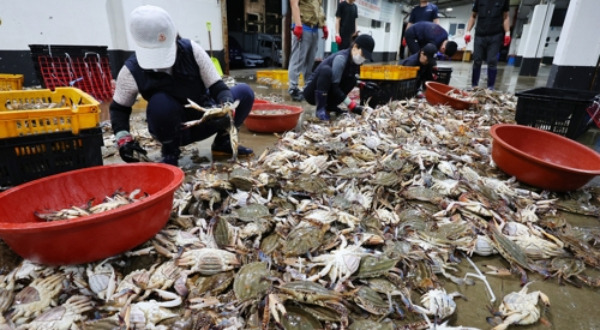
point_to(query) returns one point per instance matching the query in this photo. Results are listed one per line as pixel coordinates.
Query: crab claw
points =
(276, 307)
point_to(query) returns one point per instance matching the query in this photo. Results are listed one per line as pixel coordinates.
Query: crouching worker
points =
(167, 70)
(425, 60)
(335, 77)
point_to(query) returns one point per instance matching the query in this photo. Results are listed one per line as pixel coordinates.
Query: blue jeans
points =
(165, 115)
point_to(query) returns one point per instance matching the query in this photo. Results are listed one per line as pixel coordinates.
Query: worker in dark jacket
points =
(492, 31)
(335, 77)
(167, 71)
(425, 60)
(423, 33)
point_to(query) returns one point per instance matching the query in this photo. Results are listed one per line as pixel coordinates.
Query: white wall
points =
(57, 22)
(458, 15)
(98, 22)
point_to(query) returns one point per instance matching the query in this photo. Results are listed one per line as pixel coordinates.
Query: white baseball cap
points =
(155, 37)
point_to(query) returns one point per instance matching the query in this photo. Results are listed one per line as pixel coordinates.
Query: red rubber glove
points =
(325, 32)
(338, 40)
(298, 31)
(356, 108)
(506, 40)
(403, 42)
(467, 38)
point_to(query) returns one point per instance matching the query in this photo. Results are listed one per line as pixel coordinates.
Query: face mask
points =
(358, 59)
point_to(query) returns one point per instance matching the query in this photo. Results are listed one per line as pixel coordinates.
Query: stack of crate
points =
(44, 132)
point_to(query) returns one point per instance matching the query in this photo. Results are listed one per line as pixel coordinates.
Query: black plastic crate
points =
(443, 75)
(388, 90)
(560, 111)
(32, 157)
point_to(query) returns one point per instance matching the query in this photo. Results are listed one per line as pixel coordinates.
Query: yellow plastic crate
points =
(10, 81)
(388, 72)
(276, 78)
(65, 109)
(372, 71)
(398, 72)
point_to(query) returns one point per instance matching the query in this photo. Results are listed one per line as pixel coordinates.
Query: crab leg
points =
(233, 136)
(480, 276)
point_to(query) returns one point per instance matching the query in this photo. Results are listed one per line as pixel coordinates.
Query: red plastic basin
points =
(437, 93)
(261, 101)
(93, 237)
(543, 159)
(273, 123)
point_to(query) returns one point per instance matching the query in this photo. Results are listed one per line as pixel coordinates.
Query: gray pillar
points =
(575, 64)
(533, 44)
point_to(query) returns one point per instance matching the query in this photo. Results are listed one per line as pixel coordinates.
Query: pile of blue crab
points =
(361, 223)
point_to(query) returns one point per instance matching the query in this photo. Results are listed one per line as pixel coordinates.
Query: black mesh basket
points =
(560, 111)
(32, 157)
(388, 90)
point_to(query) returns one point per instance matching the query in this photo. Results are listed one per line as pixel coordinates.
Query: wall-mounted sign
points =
(379, 10)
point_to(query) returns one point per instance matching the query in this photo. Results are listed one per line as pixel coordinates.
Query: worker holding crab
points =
(167, 70)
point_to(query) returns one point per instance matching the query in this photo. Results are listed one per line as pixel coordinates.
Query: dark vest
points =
(489, 17)
(184, 82)
(350, 70)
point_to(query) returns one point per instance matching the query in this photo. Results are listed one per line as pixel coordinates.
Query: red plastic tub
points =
(272, 123)
(543, 159)
(94, 237)
(261, 101)
(437, 93)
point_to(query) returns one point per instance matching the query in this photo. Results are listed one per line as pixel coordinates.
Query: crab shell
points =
(146, 314)
(63, 317)
(439, 303)
(208, 261)
(35, 298)
(521, 307)
(369, 300)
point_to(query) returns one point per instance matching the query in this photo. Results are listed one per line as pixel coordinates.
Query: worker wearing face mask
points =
(335, 77)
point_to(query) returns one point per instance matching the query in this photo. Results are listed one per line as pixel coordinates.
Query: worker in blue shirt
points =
(423, 33)
(425, 60)
(424, 12)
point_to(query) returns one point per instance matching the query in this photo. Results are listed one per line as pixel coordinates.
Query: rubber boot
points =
(491, 81)
(170, 153)
(475, 77)
(321, 100)
(221, 147)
